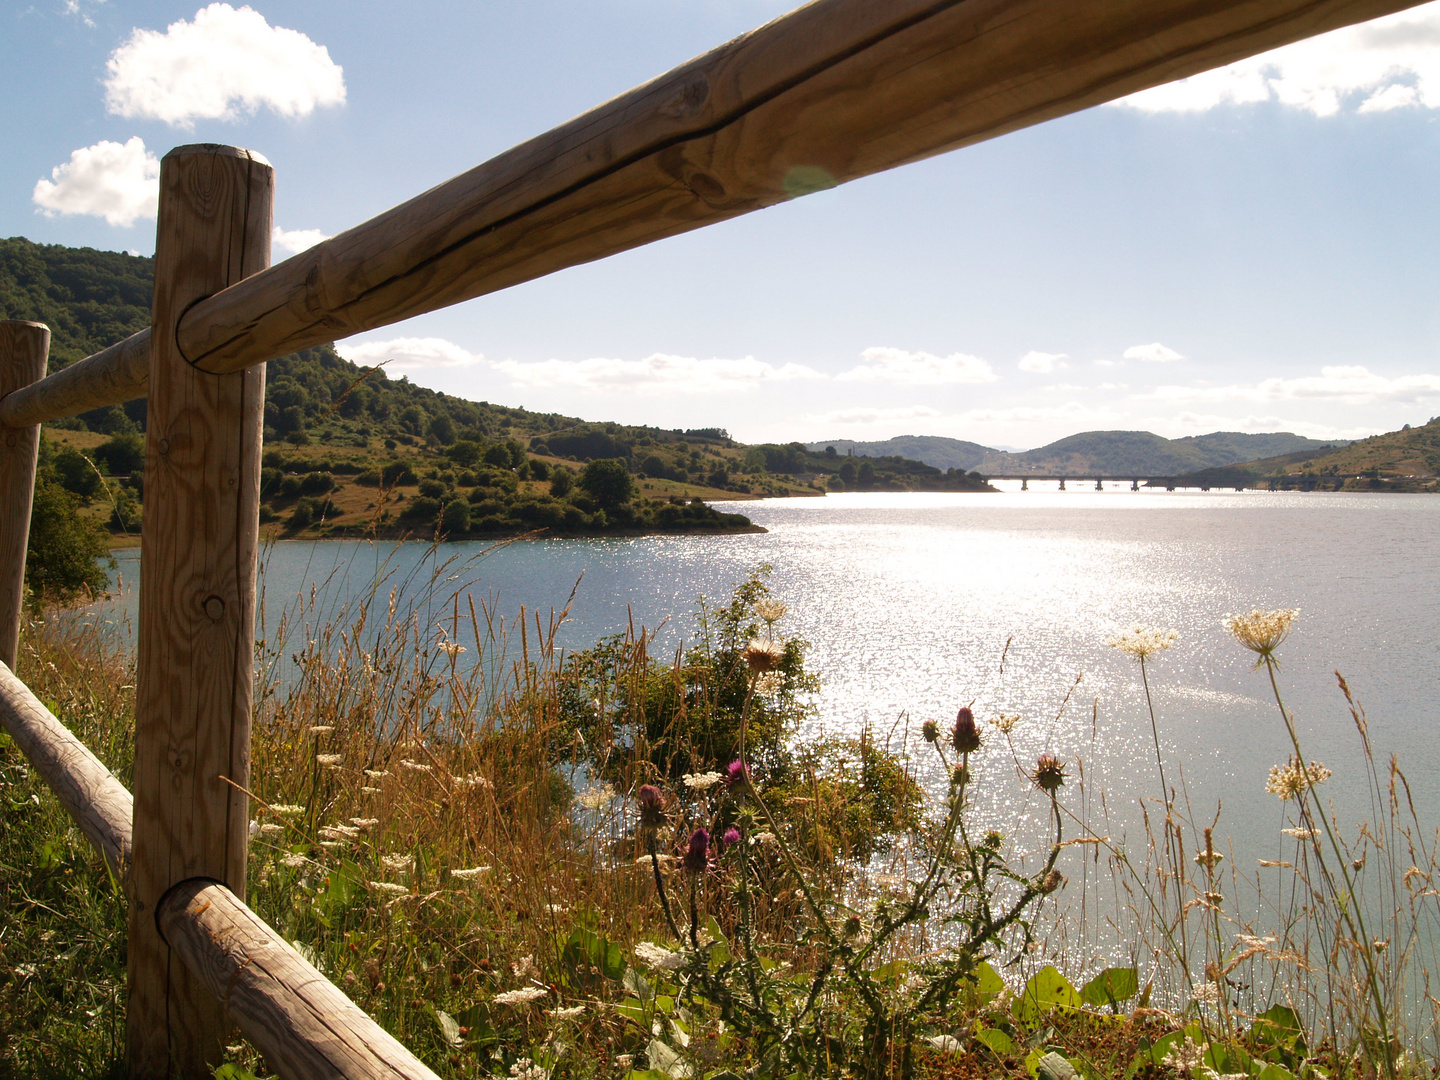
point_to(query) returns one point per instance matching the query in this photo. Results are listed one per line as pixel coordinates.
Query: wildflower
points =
(1291, 779)
(658, 958)
(1005, 722)
(321, 729)
(1185, 1057)
(524, 967)
(1143, 641)
(377, 774)
(524, 996)
(701, 781)
(287, 809)
(398, 862)
(596, 797)
(1207, 994)
(331, 845)
(271, 829)
(389, 887)
(697, 851)
(475, 780)
(766, 837)
(470, 874)
(763, 656)
(525, 1069)
(415, 766)
(965, 737)
(731, 837)
(770, 609)
(930, 731)
(652, 806)
(737, 777)
(1262, 631)
(1209, 859)
(338, 832)
(331, 761)
(769, 684)
(662, 859)
(1299, 834)
(364, 822)
(1049, 773)
(568, 1014)
(295, 862)
(450, 648)
(370, 790)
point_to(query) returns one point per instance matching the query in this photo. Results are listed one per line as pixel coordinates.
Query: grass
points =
(449, 844)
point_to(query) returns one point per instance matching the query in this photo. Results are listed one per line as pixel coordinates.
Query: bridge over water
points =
(1169, 483)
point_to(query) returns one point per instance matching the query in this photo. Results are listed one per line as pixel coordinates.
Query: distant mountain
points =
(1111, 453)
(934, 450)
(1411, 451)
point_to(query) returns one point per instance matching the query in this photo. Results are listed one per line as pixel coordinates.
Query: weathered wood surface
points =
(305, 1027)
(195, 640)
(109, 377)
(88, 790)
(24, 349)
(835, 90)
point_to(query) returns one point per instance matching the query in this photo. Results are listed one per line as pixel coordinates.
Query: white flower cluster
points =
(475, 780)
(330, 761)
(470, 874)
(658, 958)
(1142, 641)
(524, 996)
(596, 797)
(701, 781)
(415, 766)
(1291, 779)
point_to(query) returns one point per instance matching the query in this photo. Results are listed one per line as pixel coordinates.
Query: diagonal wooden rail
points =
(835, 90)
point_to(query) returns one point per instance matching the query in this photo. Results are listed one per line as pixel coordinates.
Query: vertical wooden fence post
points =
(197, 599)
(24, 349)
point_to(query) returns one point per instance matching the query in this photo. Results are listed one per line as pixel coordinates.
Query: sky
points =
(1253, 249)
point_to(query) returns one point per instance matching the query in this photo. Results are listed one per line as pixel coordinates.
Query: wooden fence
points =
(835, 90)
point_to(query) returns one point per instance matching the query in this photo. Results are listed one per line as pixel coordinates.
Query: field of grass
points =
(494, 849)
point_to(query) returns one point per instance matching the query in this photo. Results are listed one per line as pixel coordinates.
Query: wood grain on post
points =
(197, 599)
(24, 349)
(88, 790)
(108, 377)
(832, 91)
(305, 1027)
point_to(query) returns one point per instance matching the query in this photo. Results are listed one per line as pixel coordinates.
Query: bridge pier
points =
(1134, 485)
(1062, 483)
(1099, 485)
(1024, 485)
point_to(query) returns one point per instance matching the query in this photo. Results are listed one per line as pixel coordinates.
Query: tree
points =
(455, 518)
(63, 563)
(608, 482)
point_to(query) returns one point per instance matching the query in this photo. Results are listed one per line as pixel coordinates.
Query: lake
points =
(909, 602)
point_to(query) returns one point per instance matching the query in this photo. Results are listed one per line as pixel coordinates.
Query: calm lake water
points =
(909, 602)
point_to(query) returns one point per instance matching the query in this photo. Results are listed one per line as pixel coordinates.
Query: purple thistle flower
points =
(966, 737)
(731, 837)
(697, 853)
(652, 806)
(737, 777)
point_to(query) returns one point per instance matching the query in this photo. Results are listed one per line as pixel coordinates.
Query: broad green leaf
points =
(1111, 987)
(997, 1042)
(229, 1071)
(988, 983)
(636, 984)
(449, 1027)
(1032, 1062)
(666, 1059)
(1046, 990)
(632, 1010)
(646, 1074)
(1273, 1071)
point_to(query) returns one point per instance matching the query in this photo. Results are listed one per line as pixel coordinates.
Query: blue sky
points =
(1254, 249)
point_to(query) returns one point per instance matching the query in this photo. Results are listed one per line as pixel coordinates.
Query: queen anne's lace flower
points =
(770, 609)
(331, 761)
(1291, 779)
(1262, 631)
(389, 887)
(702, 781)
(524, 996)
(659, 958)
(1142, 641)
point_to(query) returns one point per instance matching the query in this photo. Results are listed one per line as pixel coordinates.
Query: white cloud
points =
(298, 240)
(227, 63)
(883, 364)
(1390, 63)
(1153, 353)
(658, 373)
(1344, 385)
(865, 417)
(1191, 423)
(119, 182)
(408, 354)
(1042, 363)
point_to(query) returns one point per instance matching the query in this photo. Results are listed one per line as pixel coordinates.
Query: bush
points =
(123, 455)
(608, 481)
(561, 481)
(76, 473)
(317, 483)
(63, 562)
(455, 517)
(422, 506)
(433, 489)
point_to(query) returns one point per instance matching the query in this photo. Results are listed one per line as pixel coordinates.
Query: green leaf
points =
(1110, 987)
(667, 1060)
(585, 947)
(449, 1027)
(632, 1010)
(230, 1071)
(987, 981)
(636, 984)
(1273, 1071)
(997, 1042)
(1047, 990)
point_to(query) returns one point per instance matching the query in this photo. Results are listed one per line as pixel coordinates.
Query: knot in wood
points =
(215, 608)
(163, 446)
(12, 439)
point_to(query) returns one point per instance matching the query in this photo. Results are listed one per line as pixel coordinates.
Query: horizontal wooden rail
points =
(305, 1027)
(88, 790)
(835, 90)
(109, 377)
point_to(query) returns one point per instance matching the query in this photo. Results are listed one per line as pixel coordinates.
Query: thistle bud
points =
(930, 730)
(697, 852)
(1051, 881)
(737, 777)
(731, 837)
(966, 736)
(1049, 773)
(652, 806)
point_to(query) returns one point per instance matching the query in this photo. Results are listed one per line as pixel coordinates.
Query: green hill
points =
(344, 444)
